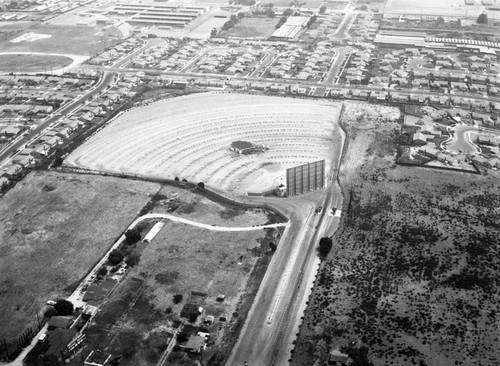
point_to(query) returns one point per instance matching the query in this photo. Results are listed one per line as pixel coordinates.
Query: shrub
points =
(177, 298)
(103, 271)
(133, 259)
(325, 245)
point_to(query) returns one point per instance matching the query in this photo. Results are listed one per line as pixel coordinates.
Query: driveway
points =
(461, 141)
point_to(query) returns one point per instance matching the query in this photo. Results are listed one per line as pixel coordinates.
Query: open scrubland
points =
(53, 228)
(261, 26)
(412, 278)
(140, 319)
(169, 139)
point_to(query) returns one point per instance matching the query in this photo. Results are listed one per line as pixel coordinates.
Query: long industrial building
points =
(158, 14)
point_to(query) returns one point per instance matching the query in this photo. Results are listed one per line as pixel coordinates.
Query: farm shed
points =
(195, 344)
(58, 340)
(63, 322)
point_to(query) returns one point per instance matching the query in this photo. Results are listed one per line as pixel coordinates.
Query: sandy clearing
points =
(30, 37)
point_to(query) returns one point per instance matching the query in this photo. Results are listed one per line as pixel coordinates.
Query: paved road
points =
(274, 319)
(345, 25)
(301, 82)
(208, 226)
(342, 52)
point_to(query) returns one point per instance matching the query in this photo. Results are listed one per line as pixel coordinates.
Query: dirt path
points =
(210, 227)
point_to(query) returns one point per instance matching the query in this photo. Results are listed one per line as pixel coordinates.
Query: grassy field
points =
(253, 27)
(135, 322)
(32, 63)
(75, 40)
(413, 274)
(53, 228)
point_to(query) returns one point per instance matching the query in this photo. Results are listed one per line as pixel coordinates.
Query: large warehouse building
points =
(146, 14)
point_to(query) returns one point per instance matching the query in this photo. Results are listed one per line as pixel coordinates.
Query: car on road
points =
(319, 209)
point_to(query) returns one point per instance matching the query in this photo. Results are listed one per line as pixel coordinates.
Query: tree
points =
(311, 20)
(234, 18)
(287, 12)
(177, 298)
(227, 25)
(213, 34)
(482, 19)
(193, 317)
(270, 13)
(168, 310)
(281, 22)
(182, 337)
(103, 271)
(201, 185)
(322, 9)
(115, 257)
(325, 245)
(133, 236)
(64, 307)
(272, 246)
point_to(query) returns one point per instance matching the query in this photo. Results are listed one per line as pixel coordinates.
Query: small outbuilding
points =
(195, 344)
(242, 147)
(63, 322)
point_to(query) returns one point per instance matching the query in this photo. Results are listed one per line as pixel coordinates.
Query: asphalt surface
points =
(461, 142)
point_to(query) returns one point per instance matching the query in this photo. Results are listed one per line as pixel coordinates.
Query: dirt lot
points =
(413, 275)
(141, 317)
(253, 27)
(53, 228)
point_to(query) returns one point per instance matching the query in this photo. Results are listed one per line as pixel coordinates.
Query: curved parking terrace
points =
(189, 137)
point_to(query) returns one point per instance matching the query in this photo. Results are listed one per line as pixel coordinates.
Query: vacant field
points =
(253, 27)
(74, 40)
(299, 3)
(139, 320)
(413, 275)
(169, 139)
(442, 7)
(53, 228)
(192, 206)
(32, 63)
